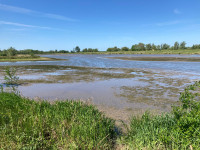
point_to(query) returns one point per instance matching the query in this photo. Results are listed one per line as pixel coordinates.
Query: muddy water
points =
(131, 86)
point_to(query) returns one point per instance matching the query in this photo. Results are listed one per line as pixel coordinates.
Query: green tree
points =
(133, 47)
(85, 50)
(95, 50)
(11, 52)
(148, 46)
(196, 46)
(176, 45)
(182, 45)
(125, 49)
(141, 46)
(165, 46)
(77, 49)
(113, 49)
(154, 47)
(158, 47)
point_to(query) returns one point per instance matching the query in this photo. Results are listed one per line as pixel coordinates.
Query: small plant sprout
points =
(10, 76)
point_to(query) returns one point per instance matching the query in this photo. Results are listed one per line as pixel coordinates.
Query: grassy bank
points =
(185, 51)
(25, 58)
(140, 58)
(27, 124)
(178, 130)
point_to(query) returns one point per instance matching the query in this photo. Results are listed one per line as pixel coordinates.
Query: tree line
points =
(136, 47)
(12, 51)
(151, 46)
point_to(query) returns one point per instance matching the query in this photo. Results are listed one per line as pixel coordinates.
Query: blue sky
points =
(64, 24)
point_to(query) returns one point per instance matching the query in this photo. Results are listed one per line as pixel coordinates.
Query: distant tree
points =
(90, 50)
(176, 46)
(133, 47)
(196, 46)
(63, 51)
(11, 51)
(125, 49)
(141, 46)
(77, 49)
(138, 47)
(51, 51)
(182, 45)
(85, 50)
(148, 46)
(114, 49)
(95, 50)
(154, 47)
(165, 46)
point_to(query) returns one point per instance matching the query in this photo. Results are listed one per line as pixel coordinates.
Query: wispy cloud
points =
(176, 11)
(168, 23)
(23, 25)
(34, 13)
(15, 9)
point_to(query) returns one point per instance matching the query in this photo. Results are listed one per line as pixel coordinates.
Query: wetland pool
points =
(121, 86)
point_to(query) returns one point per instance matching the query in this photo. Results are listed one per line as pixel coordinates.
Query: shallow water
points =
(140, 85)
(101, 61)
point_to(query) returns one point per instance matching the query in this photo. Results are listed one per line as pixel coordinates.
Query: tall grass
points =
(27, 124)
(178, 130)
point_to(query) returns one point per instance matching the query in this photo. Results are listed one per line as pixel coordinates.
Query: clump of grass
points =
(27, 124)
(176, 130)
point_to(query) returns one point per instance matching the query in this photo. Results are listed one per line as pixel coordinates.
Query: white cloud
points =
(168, 23)
(34, 13)
(59, 17)
(176, 11)
(15, 9)
(22, 25)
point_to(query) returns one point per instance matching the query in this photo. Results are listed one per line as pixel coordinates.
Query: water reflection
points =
(111, 82)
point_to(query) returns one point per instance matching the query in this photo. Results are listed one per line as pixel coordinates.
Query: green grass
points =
(177, 130)
(27, 124)
(157, 58)
(185, 51)
(25, 58)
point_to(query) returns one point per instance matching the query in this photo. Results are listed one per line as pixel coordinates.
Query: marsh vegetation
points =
(127, 92)
(30, 124)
